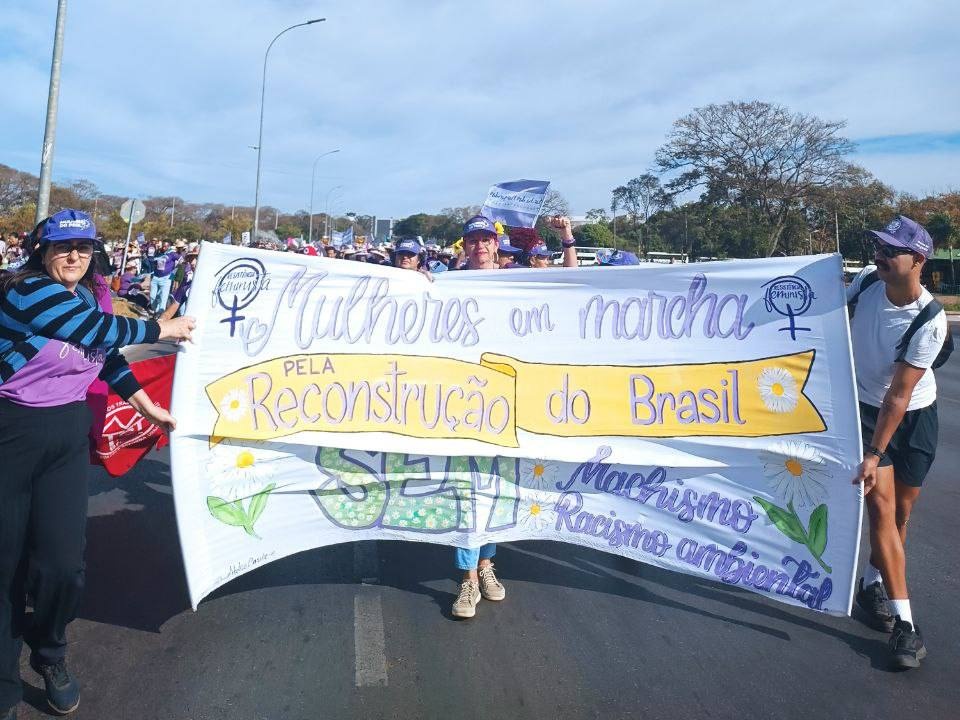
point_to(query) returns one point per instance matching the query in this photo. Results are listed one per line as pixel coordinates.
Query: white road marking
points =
(368, 642)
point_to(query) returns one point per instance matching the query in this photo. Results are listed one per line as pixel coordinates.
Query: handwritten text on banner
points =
(697, 417)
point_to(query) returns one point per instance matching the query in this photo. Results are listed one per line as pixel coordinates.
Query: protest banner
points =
(516, 203)
(698, 417)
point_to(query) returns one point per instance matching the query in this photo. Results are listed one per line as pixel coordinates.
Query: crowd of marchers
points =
(58, 336)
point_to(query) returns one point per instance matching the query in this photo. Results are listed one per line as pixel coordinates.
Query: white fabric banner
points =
(698, 417)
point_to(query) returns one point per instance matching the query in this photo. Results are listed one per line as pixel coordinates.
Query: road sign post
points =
(133, 211)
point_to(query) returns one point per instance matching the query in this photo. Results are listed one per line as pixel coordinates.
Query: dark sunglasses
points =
(890, 251)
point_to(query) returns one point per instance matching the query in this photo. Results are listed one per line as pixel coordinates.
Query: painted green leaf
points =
(789, 525)
(259, 503)
(818, 530)
(226, 512)
(786, 522)
(766, 504)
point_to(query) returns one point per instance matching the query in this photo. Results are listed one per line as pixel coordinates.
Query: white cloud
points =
(430, 102)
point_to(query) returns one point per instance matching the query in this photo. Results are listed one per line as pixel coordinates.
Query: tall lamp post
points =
(313, 179)
(326, 211)
(263, 91)
(50, 130)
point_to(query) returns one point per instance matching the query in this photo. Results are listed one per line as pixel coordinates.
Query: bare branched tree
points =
(756, 155)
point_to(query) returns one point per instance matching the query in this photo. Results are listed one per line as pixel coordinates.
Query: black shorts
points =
(914, 443)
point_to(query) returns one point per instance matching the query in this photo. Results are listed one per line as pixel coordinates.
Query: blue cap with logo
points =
(67, 225)
(906, 233)
(540, 250)
(617, 257)
(410, 246)
(506, 247)
(479, 223)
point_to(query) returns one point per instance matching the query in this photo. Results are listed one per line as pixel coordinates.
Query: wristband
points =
(568, 245)
(874, 451)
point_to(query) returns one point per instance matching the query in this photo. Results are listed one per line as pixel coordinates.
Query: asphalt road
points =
(581, 634)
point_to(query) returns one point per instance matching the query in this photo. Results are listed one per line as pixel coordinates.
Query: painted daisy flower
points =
(778, 389)
(234, 405)
(239, 471)
(797, 473)
(536, 511)
(539, 474)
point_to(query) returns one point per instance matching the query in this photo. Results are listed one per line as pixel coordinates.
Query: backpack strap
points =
(928, 313)
(867, 281)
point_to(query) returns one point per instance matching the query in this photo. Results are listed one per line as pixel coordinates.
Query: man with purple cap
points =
(898, 331)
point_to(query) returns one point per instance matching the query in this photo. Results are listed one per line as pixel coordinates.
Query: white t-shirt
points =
(877, 327)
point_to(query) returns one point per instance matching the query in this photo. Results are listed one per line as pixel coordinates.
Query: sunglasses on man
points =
(890, 251)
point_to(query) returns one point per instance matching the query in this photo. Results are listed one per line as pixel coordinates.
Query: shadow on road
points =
(135, 572)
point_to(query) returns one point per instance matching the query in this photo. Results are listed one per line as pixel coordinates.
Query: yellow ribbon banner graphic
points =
(442, 398)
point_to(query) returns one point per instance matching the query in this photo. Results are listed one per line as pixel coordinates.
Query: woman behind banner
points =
(54, 340)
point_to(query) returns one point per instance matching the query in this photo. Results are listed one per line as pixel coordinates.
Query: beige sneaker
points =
(490, 587)
(465, 606)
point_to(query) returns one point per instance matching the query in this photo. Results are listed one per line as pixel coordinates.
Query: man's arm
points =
(895, 402)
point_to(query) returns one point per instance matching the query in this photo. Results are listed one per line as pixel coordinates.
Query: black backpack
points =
(929, 312)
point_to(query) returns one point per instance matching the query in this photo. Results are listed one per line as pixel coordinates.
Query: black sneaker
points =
(872, 601)
(63, 691)
(906, 644)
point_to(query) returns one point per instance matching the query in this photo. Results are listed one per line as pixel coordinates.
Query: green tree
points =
(594, 235)
(418, 224)
(941, 229)
(757, 156)
(640, 197)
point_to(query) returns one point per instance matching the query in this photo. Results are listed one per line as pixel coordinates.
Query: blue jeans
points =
(469, 558)
(160, 292)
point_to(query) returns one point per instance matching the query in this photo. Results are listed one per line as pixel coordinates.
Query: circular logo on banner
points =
(238, 285)
(790, 296)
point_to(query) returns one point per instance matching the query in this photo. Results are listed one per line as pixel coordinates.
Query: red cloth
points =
(524, 238)
(127, 435)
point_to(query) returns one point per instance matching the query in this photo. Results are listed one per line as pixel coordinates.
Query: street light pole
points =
(263, 91)
(50, 130)
(313, 179)
(326, 212)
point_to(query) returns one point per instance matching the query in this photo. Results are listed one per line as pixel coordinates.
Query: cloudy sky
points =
(431, 101)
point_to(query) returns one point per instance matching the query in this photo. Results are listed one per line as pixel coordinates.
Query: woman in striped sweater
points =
(54, 341)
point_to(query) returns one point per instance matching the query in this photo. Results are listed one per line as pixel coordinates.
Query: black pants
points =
(44, 461)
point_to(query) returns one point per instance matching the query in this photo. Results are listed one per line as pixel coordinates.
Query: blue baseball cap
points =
(617, 257)
(66, 225)
(506, 247)
(479, 223)
(906, 233)
(411, 246)
(540, 250)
